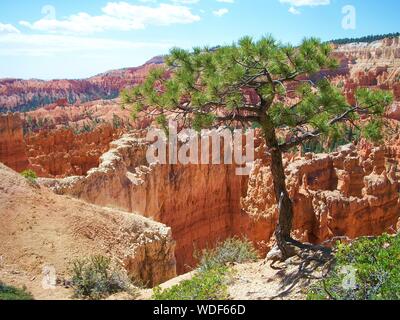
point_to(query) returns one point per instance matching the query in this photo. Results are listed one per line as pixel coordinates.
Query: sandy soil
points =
(39, 229)
(285, 281)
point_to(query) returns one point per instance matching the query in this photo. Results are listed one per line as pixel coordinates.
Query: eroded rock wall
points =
(374, 65)
(12, 145)
(39, 228)
(199, 202)
(53, 153)
(61, 153)
(24, 95)
(347, 193)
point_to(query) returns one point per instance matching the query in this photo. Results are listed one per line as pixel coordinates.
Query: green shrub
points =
(97, 278)
(12, 293)
(205, 285)
(211, 279)
(30, 175)
(232, 250)
(367, 269)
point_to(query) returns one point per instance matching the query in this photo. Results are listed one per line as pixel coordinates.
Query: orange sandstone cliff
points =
(61, 153)
(53, 153)
(347, 193)
(12, 145)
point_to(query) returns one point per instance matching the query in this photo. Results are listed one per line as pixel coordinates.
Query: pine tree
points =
(209, 87)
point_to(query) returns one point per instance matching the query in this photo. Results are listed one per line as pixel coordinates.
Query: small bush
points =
(211, 279)
(29, 175)
(367, 269)
(207, 285)
(232, 250)
(12, 293)
(95, 278)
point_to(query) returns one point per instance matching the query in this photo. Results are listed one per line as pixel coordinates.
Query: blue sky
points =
(50, 39)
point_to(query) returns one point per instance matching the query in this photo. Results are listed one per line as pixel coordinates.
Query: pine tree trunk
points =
(285, 208)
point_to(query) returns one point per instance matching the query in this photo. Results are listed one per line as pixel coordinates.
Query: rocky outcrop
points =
(24, 95)
(61, 153)
(80, 115)
(394, 111)
(39, 228)
(345, 193)
(53, 153)
(374, 65)
(12, 146)
(199, 202)
(381, 50)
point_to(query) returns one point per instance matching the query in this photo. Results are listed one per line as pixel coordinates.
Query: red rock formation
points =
(78, 115)
(24, 95)
(374, 65)
(197, 201)
(347, 193)
(53, 153)
(394, 111)
(12, 146)
(39, 228)
(61, 153)
(361, 65)
(334, 195)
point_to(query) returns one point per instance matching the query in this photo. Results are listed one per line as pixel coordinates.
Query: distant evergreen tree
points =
(366, 39)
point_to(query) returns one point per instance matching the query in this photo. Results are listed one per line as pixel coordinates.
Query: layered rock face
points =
(39, 228)
(345, 193)
(374, 65)
(199, 202)
(12, 145)
(61, 153)
(53, 153)
(24, 95)
(79, 115)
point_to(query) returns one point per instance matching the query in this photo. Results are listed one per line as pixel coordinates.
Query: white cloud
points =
(185, 1)
(226, 1)
(120, 16)
(8, 28)
(295, 4)
(309, 3)
(220, 12)
(293, 10)
(48, 45)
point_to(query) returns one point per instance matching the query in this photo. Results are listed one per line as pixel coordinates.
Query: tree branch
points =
(313, 134)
